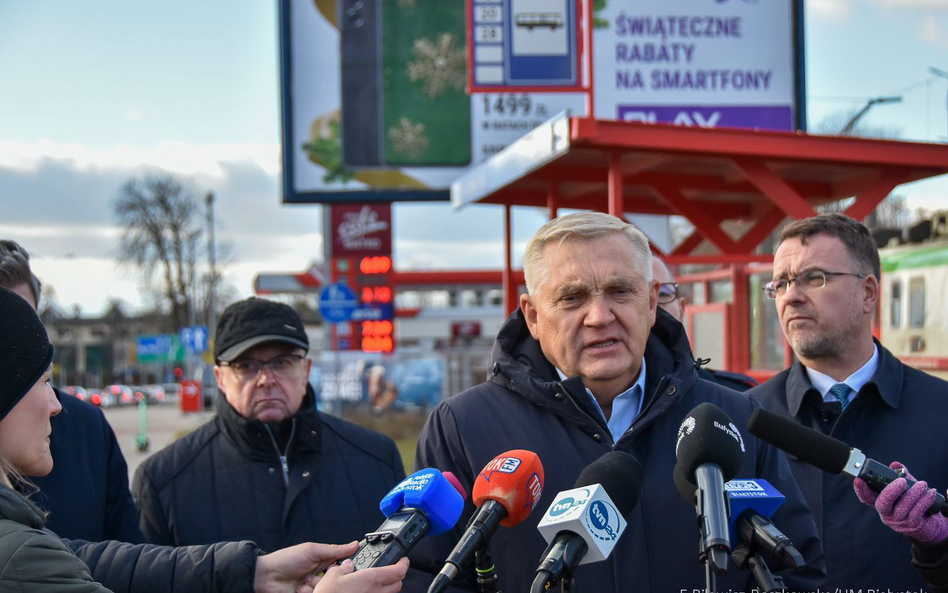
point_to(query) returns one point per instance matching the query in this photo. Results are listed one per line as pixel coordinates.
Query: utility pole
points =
(212, 254)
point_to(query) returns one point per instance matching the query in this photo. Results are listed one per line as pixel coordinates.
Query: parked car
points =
(155, 393)
(76, 391)
(122, 394)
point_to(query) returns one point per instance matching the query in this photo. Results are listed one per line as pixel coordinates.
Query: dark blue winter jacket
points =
(87, 493)
(899, 415)
(523, 405)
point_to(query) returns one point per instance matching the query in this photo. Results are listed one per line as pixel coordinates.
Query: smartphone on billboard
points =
(359, 51)
(425, 112)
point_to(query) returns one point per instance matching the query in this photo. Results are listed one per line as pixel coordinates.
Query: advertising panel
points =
(375, 106)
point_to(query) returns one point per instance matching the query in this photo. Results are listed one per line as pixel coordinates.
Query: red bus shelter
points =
(710, 177)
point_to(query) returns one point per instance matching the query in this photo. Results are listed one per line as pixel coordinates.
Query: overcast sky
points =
(95, 92)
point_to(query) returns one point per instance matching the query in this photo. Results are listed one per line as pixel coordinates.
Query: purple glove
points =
(904, 510)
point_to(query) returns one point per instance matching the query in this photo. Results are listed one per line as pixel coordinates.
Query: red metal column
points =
(588, 46)
(616, 197)
(509, 286)
(776, 189)
(740, 320)
(553, 198)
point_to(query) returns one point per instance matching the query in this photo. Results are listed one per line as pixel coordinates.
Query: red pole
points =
(553, 199)
(509, 286)
(616, 199)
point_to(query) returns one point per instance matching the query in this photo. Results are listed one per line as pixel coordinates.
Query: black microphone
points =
(710, 451)
(584, 520)
(828, 454)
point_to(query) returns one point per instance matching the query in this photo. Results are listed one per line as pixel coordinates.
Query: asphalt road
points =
(164, 424)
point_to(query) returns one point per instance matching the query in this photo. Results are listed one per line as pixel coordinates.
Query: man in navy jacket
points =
(583, 368)
(847, 385)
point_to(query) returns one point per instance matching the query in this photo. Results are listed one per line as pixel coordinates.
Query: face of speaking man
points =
(828, 323)
(592, 313)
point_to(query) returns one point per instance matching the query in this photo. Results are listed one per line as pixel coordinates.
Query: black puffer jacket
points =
(33, 559)
(225, 482)
(523, 405)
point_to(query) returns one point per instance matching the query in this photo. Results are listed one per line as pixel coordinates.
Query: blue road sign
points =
(194, 339)
(337, 302)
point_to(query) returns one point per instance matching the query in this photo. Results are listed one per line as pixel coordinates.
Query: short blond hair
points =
(584, 226)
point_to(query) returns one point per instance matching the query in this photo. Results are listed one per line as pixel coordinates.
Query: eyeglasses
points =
(807, 281)
(667, 292)
(282, 367)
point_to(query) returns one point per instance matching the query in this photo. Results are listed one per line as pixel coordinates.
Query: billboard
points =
(375, 106)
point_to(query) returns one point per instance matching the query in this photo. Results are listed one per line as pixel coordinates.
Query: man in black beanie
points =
(268, 467)
(87, 493)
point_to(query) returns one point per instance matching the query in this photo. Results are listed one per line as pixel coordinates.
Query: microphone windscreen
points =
(708, 435)
(685, 488)
(430, 492)
(620, 474)
(515, 480)
(456, 483)
(815, 448)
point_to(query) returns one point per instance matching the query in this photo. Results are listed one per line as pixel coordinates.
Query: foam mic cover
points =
(708, 435)
(429, 491)
(815, 448)
(620, 474)
(456, 483)
(515, 480)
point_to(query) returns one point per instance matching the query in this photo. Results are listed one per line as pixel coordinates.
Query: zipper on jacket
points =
(284, 456)
(566, 393)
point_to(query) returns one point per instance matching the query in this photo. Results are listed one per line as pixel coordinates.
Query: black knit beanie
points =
(25, 351)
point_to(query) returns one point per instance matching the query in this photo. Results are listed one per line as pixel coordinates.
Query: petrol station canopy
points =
(706, 175)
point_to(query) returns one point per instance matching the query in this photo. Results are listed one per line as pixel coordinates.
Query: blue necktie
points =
(841, 392)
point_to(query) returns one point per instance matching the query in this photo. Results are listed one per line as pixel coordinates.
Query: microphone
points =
(710, 451)
(583, 524)
(752, 503)
(505, 493)
(424, 503)
(828, 454)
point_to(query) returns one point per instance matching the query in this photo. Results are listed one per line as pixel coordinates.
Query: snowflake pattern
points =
(439, 63)
(409, 138)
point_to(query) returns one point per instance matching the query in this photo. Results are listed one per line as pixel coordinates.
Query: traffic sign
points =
(160, 348)
(194, 339)
(337, 302)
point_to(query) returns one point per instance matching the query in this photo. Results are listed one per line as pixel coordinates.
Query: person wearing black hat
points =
(34, 559)
(269, 467)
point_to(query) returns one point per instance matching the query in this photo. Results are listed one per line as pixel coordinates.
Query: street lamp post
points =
(848, 128)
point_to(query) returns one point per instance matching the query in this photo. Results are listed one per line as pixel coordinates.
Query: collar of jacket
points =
(15, 507)
(251, 435)
(886, 382)
(518, 364)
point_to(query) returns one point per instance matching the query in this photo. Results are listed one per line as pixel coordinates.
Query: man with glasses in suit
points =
(269, 467)
(826, 285)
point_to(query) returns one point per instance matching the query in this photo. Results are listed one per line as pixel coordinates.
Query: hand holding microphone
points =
(904, 509)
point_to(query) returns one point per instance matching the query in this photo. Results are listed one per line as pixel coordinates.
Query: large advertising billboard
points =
(375, 105)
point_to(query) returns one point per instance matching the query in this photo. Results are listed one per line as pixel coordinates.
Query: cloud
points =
(829, 10)
(134, 114)
(929, 32)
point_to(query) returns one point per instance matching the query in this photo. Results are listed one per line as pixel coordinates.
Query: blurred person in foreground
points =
(672, 301)
(586, 365)
(847, 385)
(86, 494)
(34, 559)
(268, 467)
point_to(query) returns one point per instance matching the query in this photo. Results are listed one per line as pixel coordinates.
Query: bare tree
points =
(163, 229)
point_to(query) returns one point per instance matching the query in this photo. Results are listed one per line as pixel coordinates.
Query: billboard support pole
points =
(509, 286)
(588, 46)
